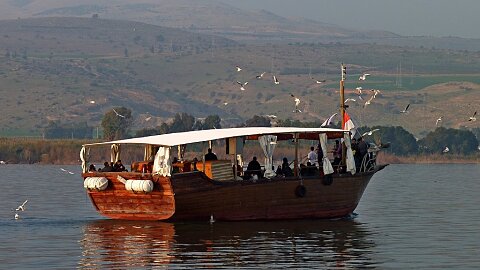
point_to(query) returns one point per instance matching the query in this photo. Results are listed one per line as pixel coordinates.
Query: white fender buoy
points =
(95, 183)
(135, 185)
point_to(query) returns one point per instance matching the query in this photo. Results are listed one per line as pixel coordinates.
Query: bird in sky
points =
(119, 115)
(275, 80)
(69, 172)
(446, 150)
(359, 90)
(148, 118)
(363, 77)
(273, 116)
(350, 99)
(17, 216)
(360, 97)
(22, 206)
(368, 101)
(242, 85)
(320, 81)
(238, 68)
(259, 76)
(369, 133)
(92, 101)
(375, 93)
(225, 103)
(297, 102)
(438, 120)
(473, 117)
(328, 121)
(406, 109)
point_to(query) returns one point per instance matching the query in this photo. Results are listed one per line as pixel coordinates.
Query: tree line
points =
(117, 123)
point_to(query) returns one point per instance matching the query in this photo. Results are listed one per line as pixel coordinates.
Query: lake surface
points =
(410, 217)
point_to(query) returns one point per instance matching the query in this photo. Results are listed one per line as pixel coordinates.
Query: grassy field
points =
(53, 74)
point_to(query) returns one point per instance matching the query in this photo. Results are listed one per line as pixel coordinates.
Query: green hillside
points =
(52, 69)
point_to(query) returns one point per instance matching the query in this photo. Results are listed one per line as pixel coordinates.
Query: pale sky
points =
(405, 17)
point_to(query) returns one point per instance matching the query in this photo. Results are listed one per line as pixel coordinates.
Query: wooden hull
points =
(193, 196)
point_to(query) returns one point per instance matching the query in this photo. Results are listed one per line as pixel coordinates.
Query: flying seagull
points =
(297, 102)
(320, 81)
(238, 68)
(446, 150)
(148, 118)
(473, 118)
(92, 101)
(275, 80)
(375, 93)
(63, 170)
(17, 216)
(369, 133)
(225, 103)
(242, 85)
(359, 89)
(368, 101)
(273, 116)
(363, 77)
(350, 99)
(259, 76)
(328, 121)
(118, 113)
(406, 109)
(438, 120)
(22, 206)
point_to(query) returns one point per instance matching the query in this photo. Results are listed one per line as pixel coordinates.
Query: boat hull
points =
(193, 196)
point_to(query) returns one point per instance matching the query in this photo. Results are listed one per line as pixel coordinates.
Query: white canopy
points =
(173, 139)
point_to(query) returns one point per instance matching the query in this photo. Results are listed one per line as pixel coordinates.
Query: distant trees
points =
(258, 121)
(116, 123)
(183, 122)
(56, 130)
(461, 142)
(402, 142)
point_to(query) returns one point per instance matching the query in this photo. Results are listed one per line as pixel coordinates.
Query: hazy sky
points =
(406, 17)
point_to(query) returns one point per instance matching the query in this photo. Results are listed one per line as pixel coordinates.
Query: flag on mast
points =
(348, 124)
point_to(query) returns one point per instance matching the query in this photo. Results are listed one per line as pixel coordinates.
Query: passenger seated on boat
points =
(175, 165)
(253, 168)
(106, 167)
(194, 164)
(278, 172)
(119, 167)
(92, 168)
(286, 170)
(210, 155)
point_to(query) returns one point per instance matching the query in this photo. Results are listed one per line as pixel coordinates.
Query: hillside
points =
(214, 17)
(51, 69)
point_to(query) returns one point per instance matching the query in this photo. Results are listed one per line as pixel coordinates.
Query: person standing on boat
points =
(337, 153)
(210, 155)
(312, 156)
(362, 149)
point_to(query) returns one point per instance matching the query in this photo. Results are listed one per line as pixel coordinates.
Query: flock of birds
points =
(359, 92)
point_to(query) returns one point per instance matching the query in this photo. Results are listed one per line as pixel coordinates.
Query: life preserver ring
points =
(300, 191)
(327, 179)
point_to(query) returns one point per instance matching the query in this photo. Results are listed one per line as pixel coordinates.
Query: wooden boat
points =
(155, 189)
(211, 190)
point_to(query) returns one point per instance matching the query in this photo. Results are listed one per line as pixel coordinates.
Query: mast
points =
(342, 94)
(342, 110)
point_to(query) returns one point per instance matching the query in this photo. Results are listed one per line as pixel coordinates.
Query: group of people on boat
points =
(109, 167)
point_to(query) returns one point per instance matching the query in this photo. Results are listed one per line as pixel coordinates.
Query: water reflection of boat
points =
(298, 244)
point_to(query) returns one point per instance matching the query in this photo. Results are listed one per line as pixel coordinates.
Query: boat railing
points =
(369, 161)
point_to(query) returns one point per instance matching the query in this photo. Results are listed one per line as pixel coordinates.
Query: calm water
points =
(411, 216)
